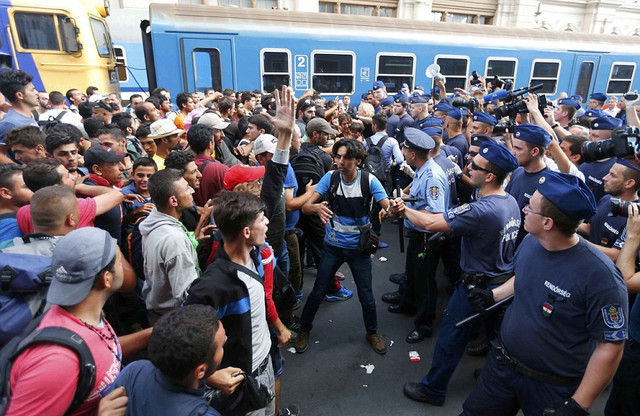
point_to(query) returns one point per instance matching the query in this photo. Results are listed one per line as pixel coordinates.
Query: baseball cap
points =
(96, 155)
(240, 174)
(265, 143)
(214, 121)
(319, 124)
(77, 259)
(163, 128)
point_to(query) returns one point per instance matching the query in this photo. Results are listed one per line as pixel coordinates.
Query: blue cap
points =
(485, 118)
(569, 101)
(386, 101)
(442, 106)
(405, 85)
(606, 123)
(454, 113)
(418, 99)
(498, 155)
(377, 85)
(598, 96)
(400, 98)
(431, 121)
(595, 113)
(464, 111)
(577, 97)
(478, 139)
(403, 93)
(435, 90)
(433, 131)
(364, 96)
(418, 139)
(419, 87)
(533, 134)
(628, 164)
(568, 193)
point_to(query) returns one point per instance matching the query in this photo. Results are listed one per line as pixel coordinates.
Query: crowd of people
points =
(176, 238)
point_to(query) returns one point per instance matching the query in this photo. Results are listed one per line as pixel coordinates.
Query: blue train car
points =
(190, 48)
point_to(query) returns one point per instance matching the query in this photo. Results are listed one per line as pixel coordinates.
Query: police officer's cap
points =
(464, 111)
(387, 101)
(498, 155)
(433, 131)
(595, 113)
(419, 87)
(570, 102)
(431, 121)
(598, 96)
(454, 113)
(568, 193)
(418, 140)
(478, 139)
(443, 106)
(606, 123)
(533, 134)
(628, 164)
(377, 85)
(435, 90)
(577, 97)
(401, 98)
(485, 118)
(418, 99)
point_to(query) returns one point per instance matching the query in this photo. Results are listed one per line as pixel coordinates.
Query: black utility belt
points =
(411, 234)
(481, 279)
(504, 356)
(261, 367)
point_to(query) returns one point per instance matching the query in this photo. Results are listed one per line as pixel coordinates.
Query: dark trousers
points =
(502, 391)
(314, 230)
(295, 265)
(360, 265)
(624, 399)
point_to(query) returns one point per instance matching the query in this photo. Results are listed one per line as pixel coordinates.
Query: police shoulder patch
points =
(619, 335)
(458, 210)
(613, 316)
(434, 192)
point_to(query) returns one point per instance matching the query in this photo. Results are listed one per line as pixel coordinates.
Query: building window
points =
(275, 69)
(621, 77)
(372, 8)
(455, 69)
(545, 72)
(333, 72)
(443, 16)
(504, 68)
(327, 7)
(256, 4)
(395, 70)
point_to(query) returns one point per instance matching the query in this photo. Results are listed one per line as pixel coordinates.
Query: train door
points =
(207, 63)
(6, 52)
(585, 71)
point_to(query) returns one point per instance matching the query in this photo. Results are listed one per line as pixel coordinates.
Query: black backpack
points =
(308, 166)
(375, 163)
(46, 125)
(50, 335)
(367, 196)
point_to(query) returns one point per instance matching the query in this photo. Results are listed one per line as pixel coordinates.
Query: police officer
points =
(400, 119)
(562, 337)
(489, 228)
(529, 146)
(456, 136)
(483, 123)
(431, 190)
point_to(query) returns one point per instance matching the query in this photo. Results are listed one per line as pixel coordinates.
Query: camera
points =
(507, 126)
(474, 76)
(619, 207)
(624, 141)
(631, 96)
(471, 103)
(513, 100)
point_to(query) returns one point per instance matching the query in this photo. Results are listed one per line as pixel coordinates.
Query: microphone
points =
(496, 95)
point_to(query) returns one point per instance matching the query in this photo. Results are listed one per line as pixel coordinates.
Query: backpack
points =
(49, 335)
(24, 279)
(132, 241)
(308, 166)
(375, 161)
(334, 184)
(45, 125)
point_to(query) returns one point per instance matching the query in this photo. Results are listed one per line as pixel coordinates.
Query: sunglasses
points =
(474, 166)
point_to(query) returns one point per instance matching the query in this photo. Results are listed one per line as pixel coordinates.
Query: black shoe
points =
(418, 335)
(416, 392)
(392, 297)
(401, 309)
(397, 278)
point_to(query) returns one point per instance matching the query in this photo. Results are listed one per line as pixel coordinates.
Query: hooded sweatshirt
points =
(169, 262)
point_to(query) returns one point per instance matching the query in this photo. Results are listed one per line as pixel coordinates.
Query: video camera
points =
(514, 103)
(619, 207)
(624, 141)
(505, 127)
(472, 104)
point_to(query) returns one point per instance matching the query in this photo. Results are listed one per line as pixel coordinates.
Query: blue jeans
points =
(452, 341)
(360, 265)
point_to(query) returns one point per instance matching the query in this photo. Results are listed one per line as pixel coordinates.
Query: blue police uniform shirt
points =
(430, 187)
(449, 170)
(290, 181)
(459, 142)
(593, 174)
(344, 232)
(405, 121)
(606, 229)
(564, 302)
(452, 151)
(390, 148)
(521, 186)
(489, 229)
(152, 393)
(392, 124)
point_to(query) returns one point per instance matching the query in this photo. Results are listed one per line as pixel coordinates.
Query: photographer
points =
(601, 129)
(632, 108)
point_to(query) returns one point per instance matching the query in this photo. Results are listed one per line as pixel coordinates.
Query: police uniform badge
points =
(434, 192)
(458, 210)
(613, 316)
(541, 180)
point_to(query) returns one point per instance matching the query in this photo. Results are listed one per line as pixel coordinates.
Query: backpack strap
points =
(204, 165)
(366, 190)
(382, 140)
(369, 142)
(59, 116)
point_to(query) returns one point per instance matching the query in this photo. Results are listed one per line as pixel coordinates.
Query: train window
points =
(395, 70)
(37, 31)
(504, 68)
(584, 78)
(455, 69)
(207, 72)
(333, 72)
(101, 36)
(275, 69)
(621, 77)
(545, 72)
